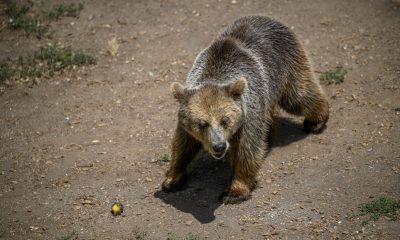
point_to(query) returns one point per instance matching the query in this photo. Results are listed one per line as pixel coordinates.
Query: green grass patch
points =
(72, 236)
(139, 235)
(54, 59)
(336, 76)
(6, 72)
(65, 10)
(191, 236)
(165, 158)
(18, 17)
(383, 206)
(142, 235)
(45, 62)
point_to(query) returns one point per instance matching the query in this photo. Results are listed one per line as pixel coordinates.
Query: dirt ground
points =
(72, 145)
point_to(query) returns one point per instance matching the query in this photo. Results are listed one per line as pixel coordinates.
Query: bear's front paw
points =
(314, 127)
(173, 184)
(229, 197)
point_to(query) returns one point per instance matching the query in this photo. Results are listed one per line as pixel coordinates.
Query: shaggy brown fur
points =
(228, 104)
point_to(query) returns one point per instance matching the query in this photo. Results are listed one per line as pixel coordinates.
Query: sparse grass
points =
(189, 236)
(18, 17)
(45, 62)
(65, 10)
(139, 235)
(165, 158)
(385, 206)
(55, 59)
(336, 76)
(72, 236)
(6, 72)
(49, 59)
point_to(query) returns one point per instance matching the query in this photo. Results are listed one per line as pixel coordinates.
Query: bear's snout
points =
(219, 147)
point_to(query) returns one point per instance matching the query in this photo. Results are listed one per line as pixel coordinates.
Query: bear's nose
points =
(219, 147)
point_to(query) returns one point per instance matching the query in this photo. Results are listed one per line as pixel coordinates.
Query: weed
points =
(45, 62)
(336, 76)
(65, 10)
(165, 158)
(14, 11)
(6, 72)
(18, 19)
(72, 236)
(54, 59)
(382, 206)
(139, 235)
(191, 236)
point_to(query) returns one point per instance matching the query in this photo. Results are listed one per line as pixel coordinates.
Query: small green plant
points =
(15, 11)
(336, 76)
(55, 59)
(45, 62)
(72, 236)
(165, 158)
(6, 72)
(18, 19)
(191, 236)
(65, 10)
(382, 206)
(139, 235)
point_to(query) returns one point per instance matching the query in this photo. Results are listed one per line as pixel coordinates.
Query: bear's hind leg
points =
(305, 97)
(315, 120)
(184, 149)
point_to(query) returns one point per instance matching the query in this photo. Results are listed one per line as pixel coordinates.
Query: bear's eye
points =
(203, 124)
(224, 121)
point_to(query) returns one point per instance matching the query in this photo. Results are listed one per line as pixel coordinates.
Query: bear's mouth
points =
(219, 155)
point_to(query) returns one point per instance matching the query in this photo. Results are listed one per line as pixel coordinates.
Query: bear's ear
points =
(237, 88)
(178, 91)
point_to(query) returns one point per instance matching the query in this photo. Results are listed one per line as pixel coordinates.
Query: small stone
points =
(189, 222)
(34, 228)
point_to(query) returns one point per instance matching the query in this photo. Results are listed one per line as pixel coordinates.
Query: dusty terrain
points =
(72, 145)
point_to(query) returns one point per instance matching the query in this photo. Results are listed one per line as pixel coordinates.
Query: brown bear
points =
(228, 101)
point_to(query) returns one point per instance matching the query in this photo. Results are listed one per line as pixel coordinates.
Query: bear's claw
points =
(229, 198)
(314, 127)
(172, 185)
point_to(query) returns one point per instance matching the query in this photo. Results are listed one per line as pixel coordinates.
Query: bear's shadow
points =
(287, 131)
(208, 178)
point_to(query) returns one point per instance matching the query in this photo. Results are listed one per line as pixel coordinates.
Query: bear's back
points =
(255, 47)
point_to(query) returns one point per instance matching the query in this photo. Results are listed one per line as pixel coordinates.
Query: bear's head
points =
(211, 113)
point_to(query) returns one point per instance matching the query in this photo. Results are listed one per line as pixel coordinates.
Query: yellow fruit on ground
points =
(117, 209)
